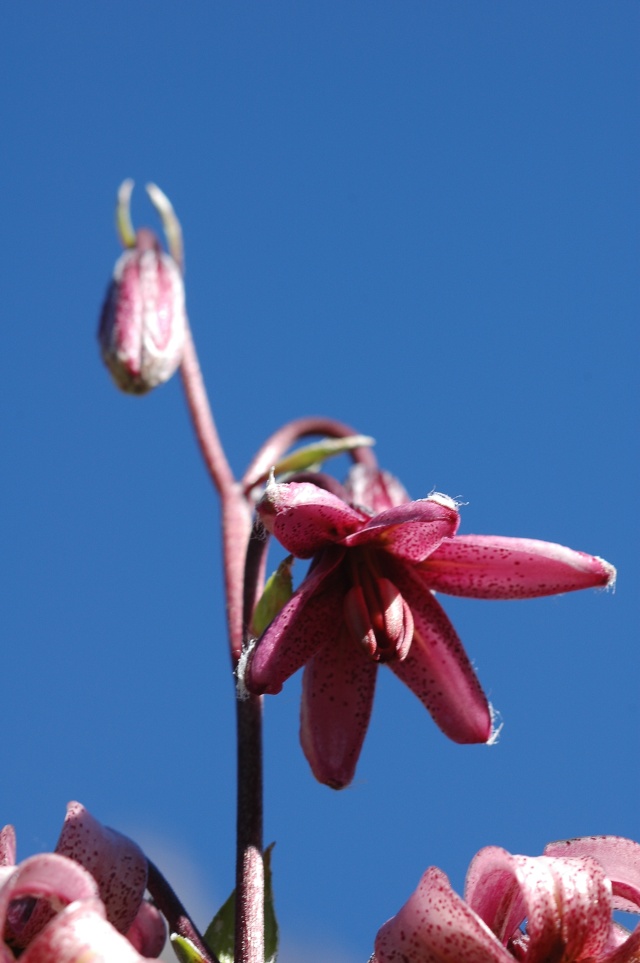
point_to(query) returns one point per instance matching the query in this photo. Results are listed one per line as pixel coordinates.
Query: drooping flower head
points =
(368, 599)
(555, 908)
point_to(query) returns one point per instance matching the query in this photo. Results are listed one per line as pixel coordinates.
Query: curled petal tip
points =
(170, 222)
(124, 226)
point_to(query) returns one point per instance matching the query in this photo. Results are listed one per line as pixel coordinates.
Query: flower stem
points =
(174, 912)
(249, 933)
(236, 529)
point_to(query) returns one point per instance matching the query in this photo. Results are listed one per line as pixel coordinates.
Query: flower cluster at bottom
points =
(555, 908)
(82, 904)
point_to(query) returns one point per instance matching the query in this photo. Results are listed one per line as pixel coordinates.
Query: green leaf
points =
(185, 950)
(277, 592)
(219, 936)
(312, 456)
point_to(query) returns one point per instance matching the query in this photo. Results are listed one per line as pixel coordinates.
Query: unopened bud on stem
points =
(143, 321)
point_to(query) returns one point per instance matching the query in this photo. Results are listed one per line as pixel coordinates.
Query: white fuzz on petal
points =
(443, 500)
(496, 726)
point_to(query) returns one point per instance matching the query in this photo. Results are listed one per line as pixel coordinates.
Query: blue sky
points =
(418, 217)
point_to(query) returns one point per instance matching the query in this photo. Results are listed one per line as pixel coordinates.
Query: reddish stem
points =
(174, 912)
(289, 434)
(236, 528)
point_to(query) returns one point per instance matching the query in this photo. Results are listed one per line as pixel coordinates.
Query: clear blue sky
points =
(418, 217)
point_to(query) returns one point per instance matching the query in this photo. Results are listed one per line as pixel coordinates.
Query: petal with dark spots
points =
(337, 695)
(305, 518)
(436, 926)
(310, 619)
(409, 531)
(496, 567)
(437, 668)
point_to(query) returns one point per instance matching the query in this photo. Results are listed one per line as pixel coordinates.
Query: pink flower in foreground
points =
(368, 598)
(102, 875)
(77, 931)
(143, 321)
(555, 908)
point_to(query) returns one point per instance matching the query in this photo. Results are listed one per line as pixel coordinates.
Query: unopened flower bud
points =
(143, 321)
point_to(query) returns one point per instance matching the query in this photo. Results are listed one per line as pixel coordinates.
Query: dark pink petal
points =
(495, 567)
(566, 902)
(148, 933)
(305, 518)
(437, 669)
(311, 619)
(409, 531)
(436, 926)
(337, 696)
(620, 861)
(373, 489)
(115, 862)
(80, 934)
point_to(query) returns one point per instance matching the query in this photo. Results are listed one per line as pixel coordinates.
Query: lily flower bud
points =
(143, 321)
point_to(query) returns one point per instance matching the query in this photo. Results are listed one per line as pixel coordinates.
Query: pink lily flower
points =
(369, 598)
(77, 931)
(117, 872)
(567, 898)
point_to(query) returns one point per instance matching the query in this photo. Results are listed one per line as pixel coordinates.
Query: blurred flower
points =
(555, 908)
(143, 321)
(97, 866)
(368, 598)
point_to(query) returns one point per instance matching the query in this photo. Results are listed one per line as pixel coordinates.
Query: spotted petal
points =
(311, 618)
(566, 902)
(619, 858)
(337, 696)
(114, 861)
(437, 668)
(305, 518)
(496, 567)
(410, 531)
(436, 926)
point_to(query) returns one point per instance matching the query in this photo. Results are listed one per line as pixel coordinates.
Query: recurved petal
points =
(116, 863)
(148, 932)
(566, 902)
(437, 669)
(80, 934)
(305, 518)
(436, 926)
(374, 489)
(410, 531)
(337, 695)
(497, 567)
(620, 861)
(311, 619)
(55, 880)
